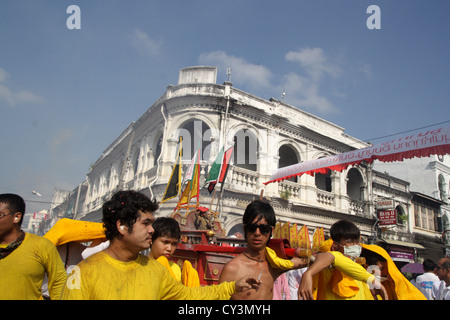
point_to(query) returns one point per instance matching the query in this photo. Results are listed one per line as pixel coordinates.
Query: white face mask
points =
(352, 251)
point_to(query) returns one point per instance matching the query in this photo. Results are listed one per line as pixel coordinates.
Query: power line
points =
(395, 134)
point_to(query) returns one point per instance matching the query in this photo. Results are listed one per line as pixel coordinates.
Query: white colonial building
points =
(266, 135)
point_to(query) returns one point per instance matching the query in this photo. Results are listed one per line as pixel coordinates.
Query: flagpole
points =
(212, 200)
(228, 160)
(176, 167)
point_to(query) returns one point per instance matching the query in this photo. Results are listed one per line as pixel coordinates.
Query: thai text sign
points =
(385, 204)
(418, 145)
(387, 217)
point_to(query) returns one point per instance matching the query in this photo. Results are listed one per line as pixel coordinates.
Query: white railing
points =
(243, 180)
(325, 197)
(290, 190)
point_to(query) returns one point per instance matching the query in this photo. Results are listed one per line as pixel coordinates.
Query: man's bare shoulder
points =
(231, 269)
(234, 264)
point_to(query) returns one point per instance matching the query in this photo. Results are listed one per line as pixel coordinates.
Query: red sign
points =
(387, 217)
(40, 215)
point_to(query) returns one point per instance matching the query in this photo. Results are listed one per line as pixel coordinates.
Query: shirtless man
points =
(259, 221)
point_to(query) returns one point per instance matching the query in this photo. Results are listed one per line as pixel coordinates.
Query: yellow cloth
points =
(277, 262)
(172, 267)
(189, 276)
(326, 245)
(404, 290)
(100, 277)
(345, 280)
(69, 230)
(22, 272)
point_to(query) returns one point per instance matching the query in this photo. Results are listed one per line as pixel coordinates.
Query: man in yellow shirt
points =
(25, 258)
(334, 275)
(120, 272)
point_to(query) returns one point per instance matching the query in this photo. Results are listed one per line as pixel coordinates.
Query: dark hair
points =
(372, 258)
(15, 203)
(124, 207)
(429, 265)
(445, 263)
(343, 230)
(166, 227)
(261, 209)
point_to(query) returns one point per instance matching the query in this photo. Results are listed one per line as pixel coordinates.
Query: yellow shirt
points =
(22, 271)
(173, 268)
(353, 280)
(100, 277)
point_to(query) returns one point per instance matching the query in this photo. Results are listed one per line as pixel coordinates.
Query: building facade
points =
(266, 135)
(429, 179)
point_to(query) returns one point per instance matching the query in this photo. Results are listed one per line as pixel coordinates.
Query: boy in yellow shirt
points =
(334, 275)
(120, 272)
(165, 239)
(25, 258)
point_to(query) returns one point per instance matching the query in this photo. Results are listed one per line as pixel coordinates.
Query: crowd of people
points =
(60, 265)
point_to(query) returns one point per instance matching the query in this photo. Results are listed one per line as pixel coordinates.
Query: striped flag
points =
(174, 185)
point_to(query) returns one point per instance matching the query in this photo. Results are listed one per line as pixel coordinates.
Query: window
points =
(287, 158)
(196, 134)
(417, 215)
(136, 161)
(323, 181)
(402, 218)
(246, 148)
(354, 184)
(426, 215)
(157, 151)
(423, 216)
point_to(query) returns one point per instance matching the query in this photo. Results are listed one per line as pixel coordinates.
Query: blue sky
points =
(65, 95)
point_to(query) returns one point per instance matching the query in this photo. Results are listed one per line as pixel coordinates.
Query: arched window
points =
(245, 150)
(402, 218)
(158, 149)
(237, 231)
(135, 163)
(196, 134)
(288, 157)
(354, 184)
(323, 181)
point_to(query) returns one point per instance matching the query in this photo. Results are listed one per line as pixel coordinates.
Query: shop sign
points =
(402, 256)
(387, 217)
(385, 204)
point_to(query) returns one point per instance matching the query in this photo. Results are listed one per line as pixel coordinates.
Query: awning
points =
(403, 243)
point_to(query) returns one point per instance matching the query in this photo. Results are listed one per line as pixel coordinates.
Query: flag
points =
(293, 236)
(318, 239)
(222, 172)
(214, 172)
(189, 174)
(303, 238)
(285, 231)
(192, 188)
(225, 166)
(174, 185)
(277, 231)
